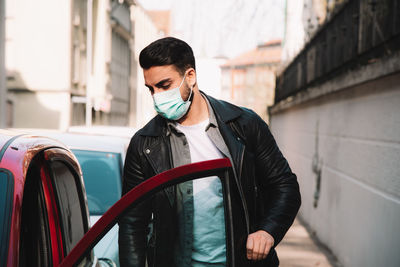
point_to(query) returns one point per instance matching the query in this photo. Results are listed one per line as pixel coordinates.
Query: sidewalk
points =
(297, 249)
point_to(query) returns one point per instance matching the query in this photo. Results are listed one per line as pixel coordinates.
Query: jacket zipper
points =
(246, 212)
(244, 203)
(155, 239)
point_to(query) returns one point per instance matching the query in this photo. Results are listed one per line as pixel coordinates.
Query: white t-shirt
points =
(201, 148)
(208, 218)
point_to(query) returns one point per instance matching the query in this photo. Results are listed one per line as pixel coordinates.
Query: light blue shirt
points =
(201, 220)
(209, 242)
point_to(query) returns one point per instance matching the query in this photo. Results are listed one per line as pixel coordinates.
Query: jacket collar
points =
(224, 111)
(156, 127)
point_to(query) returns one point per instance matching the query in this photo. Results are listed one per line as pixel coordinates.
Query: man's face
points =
(162, 78)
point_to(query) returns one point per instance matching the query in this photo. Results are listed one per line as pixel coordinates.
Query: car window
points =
(6, 200)
(209, 183)
(102, 177)
(35, 241)
(70, 204)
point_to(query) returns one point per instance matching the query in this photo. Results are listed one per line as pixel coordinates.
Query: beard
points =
(188, 92)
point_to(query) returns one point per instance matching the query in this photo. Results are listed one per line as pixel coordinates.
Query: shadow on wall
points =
(28, 108)
(317, 167)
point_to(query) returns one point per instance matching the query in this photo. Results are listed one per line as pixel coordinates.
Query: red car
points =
(42, 201)
(44, 219)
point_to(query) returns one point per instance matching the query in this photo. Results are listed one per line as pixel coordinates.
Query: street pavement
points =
(298, 249)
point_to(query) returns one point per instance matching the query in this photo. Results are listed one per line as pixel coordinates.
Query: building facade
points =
(336, 119)
(3, 95)
(145, 33)
(249, 79)
(49, 79)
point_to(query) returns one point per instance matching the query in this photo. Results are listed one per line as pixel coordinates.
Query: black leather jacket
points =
(265, 193)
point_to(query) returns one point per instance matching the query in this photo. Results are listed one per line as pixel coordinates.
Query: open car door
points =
(220, 168)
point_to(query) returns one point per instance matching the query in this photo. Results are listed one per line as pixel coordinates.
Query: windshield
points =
(102, 176)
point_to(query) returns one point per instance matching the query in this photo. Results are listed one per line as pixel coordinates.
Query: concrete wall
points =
(351, 140)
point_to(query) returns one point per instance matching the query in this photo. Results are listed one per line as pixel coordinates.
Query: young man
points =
(189, 223)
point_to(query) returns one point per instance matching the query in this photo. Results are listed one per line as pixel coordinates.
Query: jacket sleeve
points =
(133, 225)
(277, 184)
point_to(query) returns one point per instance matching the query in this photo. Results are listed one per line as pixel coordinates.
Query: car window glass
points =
(70, 204)
(6, 199)
(198, 217)
(102, 176)
(35, 245)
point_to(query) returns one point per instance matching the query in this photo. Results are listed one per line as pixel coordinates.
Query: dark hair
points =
(168, 51)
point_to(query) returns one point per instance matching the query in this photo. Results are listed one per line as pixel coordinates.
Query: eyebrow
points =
(160, 83)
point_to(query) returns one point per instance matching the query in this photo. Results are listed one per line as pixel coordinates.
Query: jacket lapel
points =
(235, 146)
(158, 154)
(225, 113)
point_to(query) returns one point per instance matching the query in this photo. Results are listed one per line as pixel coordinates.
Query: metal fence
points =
(362, 30)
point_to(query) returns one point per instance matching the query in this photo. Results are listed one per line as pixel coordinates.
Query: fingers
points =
(266, 251)
(262, 251)
(249, 247)
(258, 245)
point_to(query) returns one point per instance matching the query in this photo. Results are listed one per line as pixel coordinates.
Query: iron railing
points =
(361, 31)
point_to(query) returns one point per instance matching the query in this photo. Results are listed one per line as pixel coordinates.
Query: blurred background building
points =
(77, 62)
(162, 20)
(48, 45)
(336, 119)
(249, 79)
(146, 31)
(3, 94)
(223, 30)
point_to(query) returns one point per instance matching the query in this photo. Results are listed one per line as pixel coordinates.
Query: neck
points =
(198, 111)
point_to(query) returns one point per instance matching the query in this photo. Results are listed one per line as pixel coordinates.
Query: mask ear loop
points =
(190, 95)
(189, 99)
(184, 76)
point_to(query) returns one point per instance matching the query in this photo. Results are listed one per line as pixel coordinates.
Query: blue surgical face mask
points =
(170, 104)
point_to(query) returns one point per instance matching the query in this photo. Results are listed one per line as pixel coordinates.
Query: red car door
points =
(54, 212)
(43, 209)
(221, 168)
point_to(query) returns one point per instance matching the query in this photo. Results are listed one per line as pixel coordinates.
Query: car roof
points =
(24, 147)
(6, 136)
(85, 141)
(25, 141)
(120, 131)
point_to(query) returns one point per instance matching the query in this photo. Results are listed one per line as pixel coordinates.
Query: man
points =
(190, 127)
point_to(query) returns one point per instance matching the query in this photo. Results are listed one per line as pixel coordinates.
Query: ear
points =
(191, 76)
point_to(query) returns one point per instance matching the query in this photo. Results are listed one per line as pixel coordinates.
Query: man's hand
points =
(258, 245)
